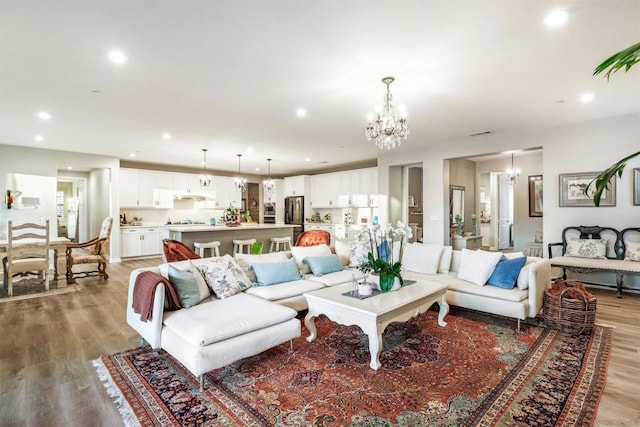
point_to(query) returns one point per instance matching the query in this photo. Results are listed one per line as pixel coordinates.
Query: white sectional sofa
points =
(216, 332)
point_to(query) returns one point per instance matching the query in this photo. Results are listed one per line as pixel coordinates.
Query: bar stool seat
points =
(240, 245)
(201, 247)
(276, 242)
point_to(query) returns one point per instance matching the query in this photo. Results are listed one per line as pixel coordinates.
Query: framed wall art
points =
(535, 195)
(636, 186)
(573, 190)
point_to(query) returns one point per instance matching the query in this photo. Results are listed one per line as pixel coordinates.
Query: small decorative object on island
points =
(381, 266)
(257, 247)
(474, 229)
(231, 216)
(8, 199)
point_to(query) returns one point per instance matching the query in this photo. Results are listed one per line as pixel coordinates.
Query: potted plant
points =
(380, 264)
(625, 59)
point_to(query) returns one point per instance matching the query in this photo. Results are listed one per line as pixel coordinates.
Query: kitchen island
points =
(188, 234)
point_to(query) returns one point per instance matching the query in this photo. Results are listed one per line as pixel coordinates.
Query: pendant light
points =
(268, 183)
(205, 179)
(240, 181)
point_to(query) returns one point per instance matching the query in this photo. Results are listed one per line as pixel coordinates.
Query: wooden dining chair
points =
(27, 254)
(175, 250)
(313, 238)
(94, 251)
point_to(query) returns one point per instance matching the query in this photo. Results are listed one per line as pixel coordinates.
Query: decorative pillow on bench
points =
(632, 251)
(587, 248)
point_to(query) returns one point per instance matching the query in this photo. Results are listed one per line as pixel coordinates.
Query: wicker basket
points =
(575, 315)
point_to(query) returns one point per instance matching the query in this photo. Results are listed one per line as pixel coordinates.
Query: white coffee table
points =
(374, 314)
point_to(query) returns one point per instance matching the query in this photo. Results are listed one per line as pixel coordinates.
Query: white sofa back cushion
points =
(301, 252)
(246, 260)
(445, 260)
(422, 257)
(477, 266)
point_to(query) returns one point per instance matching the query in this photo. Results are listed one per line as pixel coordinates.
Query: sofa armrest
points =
(150, 330)
(539, 281)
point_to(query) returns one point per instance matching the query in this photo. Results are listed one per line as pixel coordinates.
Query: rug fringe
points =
(128, 417)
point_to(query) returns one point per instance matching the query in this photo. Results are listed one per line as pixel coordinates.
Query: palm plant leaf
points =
(623, 59)
(602, 180)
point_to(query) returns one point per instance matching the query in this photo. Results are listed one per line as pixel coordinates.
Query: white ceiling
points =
(229, 75)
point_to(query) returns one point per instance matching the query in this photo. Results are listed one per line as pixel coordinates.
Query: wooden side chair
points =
(27, 253)
(313, 238)
(94, 251)
(174, 250)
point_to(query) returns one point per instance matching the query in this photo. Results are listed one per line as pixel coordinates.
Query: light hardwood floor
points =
(48, 343)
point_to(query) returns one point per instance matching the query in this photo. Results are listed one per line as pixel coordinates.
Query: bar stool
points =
(239, 245)
(276, 242)
(201, 247)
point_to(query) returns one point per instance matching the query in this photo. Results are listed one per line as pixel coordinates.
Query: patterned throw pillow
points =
(359, 254)
(224, 276)
(632, 251)
(587, 248)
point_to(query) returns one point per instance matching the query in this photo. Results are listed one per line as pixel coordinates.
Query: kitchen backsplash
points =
(182, 211)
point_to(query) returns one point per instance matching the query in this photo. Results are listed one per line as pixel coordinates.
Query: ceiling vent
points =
(486, 132)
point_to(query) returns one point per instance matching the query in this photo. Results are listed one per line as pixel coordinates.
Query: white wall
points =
(582, 147)
(47, 163)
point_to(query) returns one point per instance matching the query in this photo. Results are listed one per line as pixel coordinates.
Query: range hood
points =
(188, 195)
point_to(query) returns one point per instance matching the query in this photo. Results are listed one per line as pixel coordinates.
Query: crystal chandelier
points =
(268, 183)
(513, 173)
(387, 130)
(239, 181)
(205, 179)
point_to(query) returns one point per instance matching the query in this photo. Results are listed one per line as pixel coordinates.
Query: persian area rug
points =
(474, 371)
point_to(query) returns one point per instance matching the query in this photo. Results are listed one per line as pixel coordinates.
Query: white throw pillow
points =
(587, 248)
(523, 277)
(632, 251)
(476, 266)
(224, 276)
(246, 260)
(512, 255)
(422, 258)
(343, 250)
(301, 252)
(445, 260)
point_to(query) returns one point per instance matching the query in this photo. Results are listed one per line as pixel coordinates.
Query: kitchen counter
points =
(188, 234)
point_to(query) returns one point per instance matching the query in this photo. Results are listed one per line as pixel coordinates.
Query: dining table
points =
(55, 244)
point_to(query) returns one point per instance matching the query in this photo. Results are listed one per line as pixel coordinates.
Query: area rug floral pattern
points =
(474, 371)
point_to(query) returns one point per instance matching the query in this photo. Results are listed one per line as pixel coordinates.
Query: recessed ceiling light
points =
(257, 169)
(556, 18)
(166, 135)
(586, 97)
(43, 115)
(69, 168)
(117, 57)
(307, 159)
(249, 150)
(39, 138)
(132, 154)
(301, 112)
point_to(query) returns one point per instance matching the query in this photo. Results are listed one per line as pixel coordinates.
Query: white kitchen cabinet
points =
(226, 193)
(189, 183)
(296, 185)
(368, 186)
(141, 242)
(325, 189)
(145, 189)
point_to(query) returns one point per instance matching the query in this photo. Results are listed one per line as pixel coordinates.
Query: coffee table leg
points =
(444, 310)
(309, 323)
(375, 348)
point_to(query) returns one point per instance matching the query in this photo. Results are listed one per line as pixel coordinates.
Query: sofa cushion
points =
(218, 320)
(632, 251)
(321, 265)
(186, 286)
(422, 257)
(445, 259)
(187, 265)
(284, 290)
(301, 252)
(275, 272)
(587, 248)
(477, 266)
(455, 284)
(506, 273)
(337, 278)
(224, 276)
(246, 260)
(343, 251)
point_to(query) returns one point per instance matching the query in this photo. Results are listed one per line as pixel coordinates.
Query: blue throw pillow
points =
(320, 265)
(275, 272)
(505, 275)
(185, 285)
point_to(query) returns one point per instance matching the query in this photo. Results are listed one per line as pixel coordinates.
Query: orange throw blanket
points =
(144, 290)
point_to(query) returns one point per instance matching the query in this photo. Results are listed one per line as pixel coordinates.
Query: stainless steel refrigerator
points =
(294, 214)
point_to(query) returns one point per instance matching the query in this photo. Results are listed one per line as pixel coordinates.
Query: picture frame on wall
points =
(573, 187)
(535, 196)
(636, 186)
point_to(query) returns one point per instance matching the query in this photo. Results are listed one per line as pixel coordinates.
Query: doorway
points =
(413, 200)
(71, 208)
